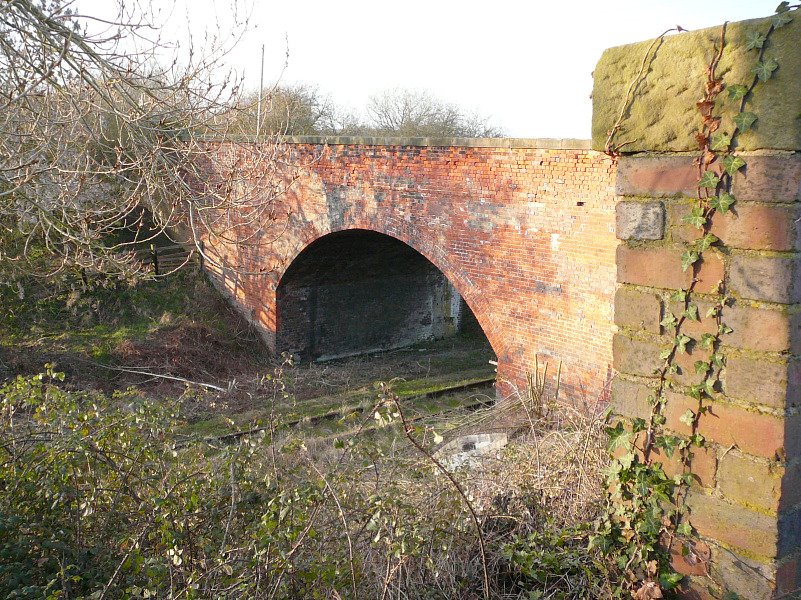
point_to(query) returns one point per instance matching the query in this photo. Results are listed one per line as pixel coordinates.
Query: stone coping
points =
(661, 113)
(426, 142)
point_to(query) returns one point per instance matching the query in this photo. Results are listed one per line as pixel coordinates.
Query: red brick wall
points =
(745, 503)
(525, 234)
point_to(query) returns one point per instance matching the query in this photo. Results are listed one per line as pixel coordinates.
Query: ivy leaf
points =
(717, 360)
(678, 296)
(754, 39)
(732, 163)
(720, 141)
(695, 392)
(618, 436)
(709, 180)
(764, 69)
(698, 439)
(696, 217)
(712, 312)
(707, 341)
(692, 312)
(781, 19)
(687, 418)
(681, 342)
(705, 242)
(684, 529)
(668, 321)
(667, 443)
(724, 329)
(783, 7)
(701, 367)
(689, 258)
(722, 202)
(626, 460)
(737, 91)
(744, 120)
(668, 581)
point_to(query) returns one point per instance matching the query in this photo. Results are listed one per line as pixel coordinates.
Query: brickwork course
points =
(744, 504)
(525, 233)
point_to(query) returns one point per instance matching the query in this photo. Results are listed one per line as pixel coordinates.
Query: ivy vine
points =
(647, 514)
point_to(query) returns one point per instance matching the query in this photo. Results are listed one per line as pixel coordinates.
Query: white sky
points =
(525, 64)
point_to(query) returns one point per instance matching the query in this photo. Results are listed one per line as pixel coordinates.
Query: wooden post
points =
(154, 258)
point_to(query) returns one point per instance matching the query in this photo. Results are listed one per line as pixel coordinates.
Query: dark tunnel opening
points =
(359, 292)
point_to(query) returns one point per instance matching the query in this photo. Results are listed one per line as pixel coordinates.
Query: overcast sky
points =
(525, 64)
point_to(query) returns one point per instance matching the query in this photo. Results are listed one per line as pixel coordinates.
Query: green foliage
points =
(544, 558)
(97, 495)
(709, 180)
(764, 69)
(744, 122)
(737, 91)
(103, 498)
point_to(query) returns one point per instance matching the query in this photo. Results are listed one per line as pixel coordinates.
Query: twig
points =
(141, 371)
(614, 151)
(344, 524)
(407, 430)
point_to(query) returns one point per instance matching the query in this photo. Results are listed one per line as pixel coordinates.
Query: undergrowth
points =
(101, 500)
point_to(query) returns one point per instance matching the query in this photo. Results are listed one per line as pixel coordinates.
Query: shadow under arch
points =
(357, 291)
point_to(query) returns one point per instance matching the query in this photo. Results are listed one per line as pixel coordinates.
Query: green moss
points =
(662, 115)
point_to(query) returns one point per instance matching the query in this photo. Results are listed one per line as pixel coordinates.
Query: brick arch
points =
(525, 233)
(436, 256)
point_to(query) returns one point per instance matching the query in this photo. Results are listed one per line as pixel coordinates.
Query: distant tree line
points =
(304, 110)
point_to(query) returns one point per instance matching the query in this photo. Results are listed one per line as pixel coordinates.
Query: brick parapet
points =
(422, 142)
(745, 505)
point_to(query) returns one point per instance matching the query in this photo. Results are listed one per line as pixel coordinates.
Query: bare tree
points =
(97, 133)
(415, 113)
(290, 110)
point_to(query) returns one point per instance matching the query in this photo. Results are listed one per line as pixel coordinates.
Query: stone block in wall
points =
(763, 328)
(637, 357)
(656, 176)
(751, 481)
(640, 220)
(635, 309)
(752, 431)
(741, 575)
(630, 398)
(765, 277)
(769, 179)
(773, 381)
(661, 114)
(765, 178)
(750, 531)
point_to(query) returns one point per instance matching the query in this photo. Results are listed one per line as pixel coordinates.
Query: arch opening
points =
(358, 291)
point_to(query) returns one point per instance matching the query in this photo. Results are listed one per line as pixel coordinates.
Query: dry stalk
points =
(407, 429)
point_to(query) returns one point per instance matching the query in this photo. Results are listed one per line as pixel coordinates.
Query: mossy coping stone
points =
(662, 115)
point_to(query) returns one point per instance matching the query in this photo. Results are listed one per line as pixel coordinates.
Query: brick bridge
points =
(523, 233)
(381, 243)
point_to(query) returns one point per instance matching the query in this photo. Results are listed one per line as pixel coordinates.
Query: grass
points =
(119, 323)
